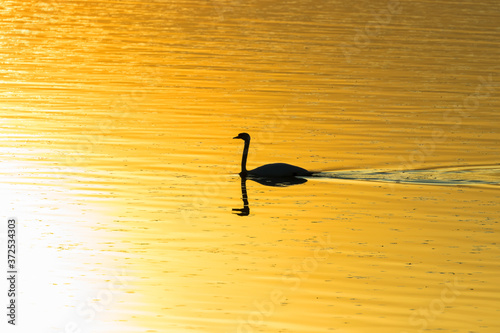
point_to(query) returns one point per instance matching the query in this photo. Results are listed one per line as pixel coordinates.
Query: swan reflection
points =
(245, 211)
(267, 181)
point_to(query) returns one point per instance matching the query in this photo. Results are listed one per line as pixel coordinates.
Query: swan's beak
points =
(237, 137)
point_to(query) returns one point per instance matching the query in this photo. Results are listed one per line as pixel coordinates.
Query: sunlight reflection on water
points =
(118, 160)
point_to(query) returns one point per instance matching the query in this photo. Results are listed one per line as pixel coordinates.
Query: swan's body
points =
(279, 170)
(268, 170)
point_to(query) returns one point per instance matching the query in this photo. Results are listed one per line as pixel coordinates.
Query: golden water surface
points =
(117, 158)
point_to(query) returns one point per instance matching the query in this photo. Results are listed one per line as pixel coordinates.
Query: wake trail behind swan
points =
(451, 175)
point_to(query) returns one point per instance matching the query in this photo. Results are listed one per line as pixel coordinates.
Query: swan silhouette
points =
(269, 170)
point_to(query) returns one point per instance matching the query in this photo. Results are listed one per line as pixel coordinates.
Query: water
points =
(118, 160)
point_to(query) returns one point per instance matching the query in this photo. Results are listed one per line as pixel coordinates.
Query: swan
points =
(268, 170)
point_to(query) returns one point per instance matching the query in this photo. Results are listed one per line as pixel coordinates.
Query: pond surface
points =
(119, 162)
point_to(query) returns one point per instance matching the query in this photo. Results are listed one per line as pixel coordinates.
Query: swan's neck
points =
(244, 158)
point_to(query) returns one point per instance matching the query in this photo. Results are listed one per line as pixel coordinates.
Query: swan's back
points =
(279, 170)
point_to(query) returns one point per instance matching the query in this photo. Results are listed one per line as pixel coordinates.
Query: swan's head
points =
(243, 136)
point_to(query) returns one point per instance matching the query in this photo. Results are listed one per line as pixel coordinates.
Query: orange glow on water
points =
(118, 160)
